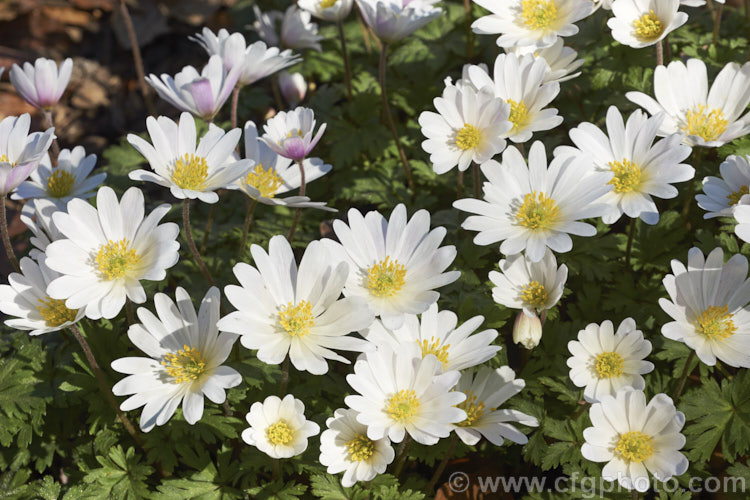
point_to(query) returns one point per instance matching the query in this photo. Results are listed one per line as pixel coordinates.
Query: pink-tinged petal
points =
(200, 89)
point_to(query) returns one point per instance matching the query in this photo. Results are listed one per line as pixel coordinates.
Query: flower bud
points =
(527, 330)
(293, 87)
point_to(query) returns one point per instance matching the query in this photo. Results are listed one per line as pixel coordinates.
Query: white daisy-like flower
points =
(345, 447)
(708, 301)
(278, 427)
(604, 361)
(531, 22)
(43, 83)
(742, 216)
(636, 438)
(533, 287)
(274, 174)
(641, 23)
(108, 250)
(534, 207)
(469, 127)
(282, 310)
(722, 195)
(561, 60)
(257, 59)
(401, 392)
(485, 393)
(202, 94)
(186, 353)
(395, 265)
(708, 118)
(69, 179)
(328, 10)
(436, 333)
(520, 81)
(394, 20)
(641, 168)
(189, 171)
(290, 133)
(25, 299)
(37, 216)
(20, 152)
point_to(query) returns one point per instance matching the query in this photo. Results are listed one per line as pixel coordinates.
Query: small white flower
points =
(708, 301)
(187, 171)
(708, 118)
(345, 447)
(293, 87)
(635, 438)
(469, 128)
(527, 330)
(395, 265)
(37, 215)
(42, 84)
(485, 392)
(561, 60)
(108, 250)
(436, 333)
(66, 181)
(533, 287)
(278, 427)
(20, 152)
(641, 23)
(604, 361)
(401, 392)
(26, 299)
(186, 353)
(393, 20)
(328, 10)
(297, 31)
(265, 25)
(723, 194)
(290, 133)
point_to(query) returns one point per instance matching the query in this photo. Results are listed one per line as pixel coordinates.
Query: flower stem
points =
(6, 237)
(248, 222)
(443, 463)
(55, 146)
(717, 22)
(659, 53)
(137, 60)
(635, 495)
(191, 243)
(235, 102)
(477, 183)
(299, 209)
(276, 93)
(460, 185)
(469, 34)
(345, 55)
(207, 229)
(683, 378)
(389, 118)
(401, 454)
(129, 311)
(629, 248)
(691, 186)
(284, 377)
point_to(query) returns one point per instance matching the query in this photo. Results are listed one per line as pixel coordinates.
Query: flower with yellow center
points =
(441, 352)
(402, 406)
(648, 27)
(474, 410)
(186, 365)
(55, 313)
(468, 137)
(628, 176)
(538, 212)
(715, 323)
(708, 124)
(385, 279)
(278, 427)
(722, 195)
(327, 4)
(533, 287)
(735, 196)
(534, 294)
(297, 320)
(190, 172)
(640, 23)
(519, 115)
(116, 259)
(539, 14)
(360, 448)
(634, 446)
(609, 364)
(279, 434)
(20, 151)
(60, 183)
(267, 182)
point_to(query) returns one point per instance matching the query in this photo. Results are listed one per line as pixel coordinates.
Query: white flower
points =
(485, 392)
(20, 152)
(640, 168)
(742, 216)
(401, 392)
(25, 298)
(519, 81)
(297, 31)
(282, 309)
(709, 305)
(278, 427)
(469, 128)
(293, 87)
(42, 84)
(635, 438)
(186, 353)
(437, 334)
(328, 10)
(265, 25)
(527, 330)
(534, 207)
(708, 118)
(66, 181)
(345, 447)
(604, 361)
(187, 171)
(108, 250)
(256, 60)
(393, 20)
(531, 22)
(531, 286)
(290, 133)
(202, 94)
(640, 23)
(396, 266)
(723, 194)
(561, 61)
(37, 215)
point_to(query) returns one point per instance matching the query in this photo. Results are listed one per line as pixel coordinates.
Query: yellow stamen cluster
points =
(468, 137)
(534, 294)
(186, 365)
(474, 409)
(4, 159)
(716, 323)
(734, 198)
(327, 4)
(386, 278)
(519, 115)
(297, 320)
(538, 212)
(706, 123)
(116, 259)
(403, 405)
(279, 433)
(648, 27)
(54, 312)
(634, 446)
(628, 176)
(433, 346)
(265, 181)
(60, 183)
(538, 14)
(190, 172)
(361, 448)
(609, 364)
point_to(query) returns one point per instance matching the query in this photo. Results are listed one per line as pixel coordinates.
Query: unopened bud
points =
(527, 330)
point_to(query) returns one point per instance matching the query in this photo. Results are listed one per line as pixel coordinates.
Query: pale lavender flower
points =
(42, 84)
(20, 152)
(290, 133)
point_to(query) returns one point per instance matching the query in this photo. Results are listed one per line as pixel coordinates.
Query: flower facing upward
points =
(394, 20)
(561, 60)
(640, 23)
(328, 10)
(278, 427)
(42, 84)
(290, 133)
(722, 195)
(20, 152)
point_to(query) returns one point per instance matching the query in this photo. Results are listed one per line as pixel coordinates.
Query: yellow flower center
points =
(538, 14)
(648, 28)
(279, 433)
(519, 115)
(534, 294)
(433, 347)
(609, 364)
(185, 366)
(538, 212)
(265, 181)
(403, 405)
(60, 183)
(716, 323)
(634, 446)
(474, 409)
(361, 448)
(386, 278)
(734, 198)
(628, 176)
(297, 320)
(54, 312)
(468, 137)
(4, 159)
(190, 172)
(706, 123)
(326, 4)
(116, 259)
